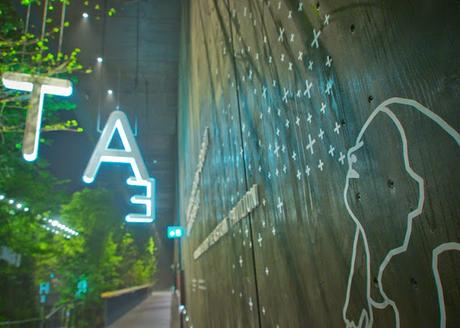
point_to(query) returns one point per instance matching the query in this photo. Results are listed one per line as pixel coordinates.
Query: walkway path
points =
(154, 312)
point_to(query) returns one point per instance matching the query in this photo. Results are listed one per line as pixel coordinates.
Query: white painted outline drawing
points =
(366, 317)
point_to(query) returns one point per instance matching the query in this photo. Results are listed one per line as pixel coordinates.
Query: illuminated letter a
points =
(130, 154)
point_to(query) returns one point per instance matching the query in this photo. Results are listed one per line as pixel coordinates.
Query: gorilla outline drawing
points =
(366, 316)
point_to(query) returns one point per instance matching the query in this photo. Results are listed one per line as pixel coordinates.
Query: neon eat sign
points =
(117, 123)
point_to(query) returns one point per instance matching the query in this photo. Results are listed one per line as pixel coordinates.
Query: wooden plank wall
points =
(345, 115)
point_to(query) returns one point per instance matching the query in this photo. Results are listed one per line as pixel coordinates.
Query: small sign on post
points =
(175, 232)
(43, 291)
(82, 287)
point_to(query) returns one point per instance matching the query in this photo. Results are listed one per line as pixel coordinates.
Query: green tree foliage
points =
(27, 53)
(105, 253)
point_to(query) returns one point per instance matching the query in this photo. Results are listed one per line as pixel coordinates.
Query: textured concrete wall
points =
(345, 115)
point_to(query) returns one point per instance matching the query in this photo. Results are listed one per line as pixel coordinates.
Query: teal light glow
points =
(175, 232)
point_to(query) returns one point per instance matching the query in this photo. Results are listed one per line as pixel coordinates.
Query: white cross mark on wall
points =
(323, 108)
(342, 158)
(328, 61)
(286, 93)
(280, 205)
(287, 123)
(267, 271)
(311, 142)
(277, 149)
(308, 86)
(297, 121)
(320, 165)
(291, 39)
(259, 240)
(326, 19)
(307, 170)
(290, 66)
(294, 156)
(299, 174)
(337, 128)
(281, 34)
(331, 150)
(273, 231)
(310, 65)
(300, 6)
(300, 56)
(315, 43)
(321, 134)
(329, 87)
(309, 118)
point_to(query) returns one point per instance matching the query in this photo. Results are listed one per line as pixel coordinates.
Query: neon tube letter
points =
(130, 154)
(39, 86)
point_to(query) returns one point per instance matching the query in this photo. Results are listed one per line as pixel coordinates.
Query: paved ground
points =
(154, 312)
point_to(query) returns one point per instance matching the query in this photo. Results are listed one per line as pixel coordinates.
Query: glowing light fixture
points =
(100, 60)
(109, 92)
(175, 232)
(2, 197)
(39, 86)
(129, 154)
(11, 201)
(85, 15)
(19, 206)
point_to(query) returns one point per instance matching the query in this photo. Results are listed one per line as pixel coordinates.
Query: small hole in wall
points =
(369, 99)
(352, 28)
(317, 6)
(342, 122)
(376, 282)
(390, 184)
(414, 283)
(358, 196)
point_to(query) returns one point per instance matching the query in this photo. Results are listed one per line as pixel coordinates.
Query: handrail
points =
(49, 315)
(4, 323)
(124, 291)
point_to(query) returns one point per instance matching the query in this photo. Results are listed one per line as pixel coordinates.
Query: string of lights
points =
(52, 225)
